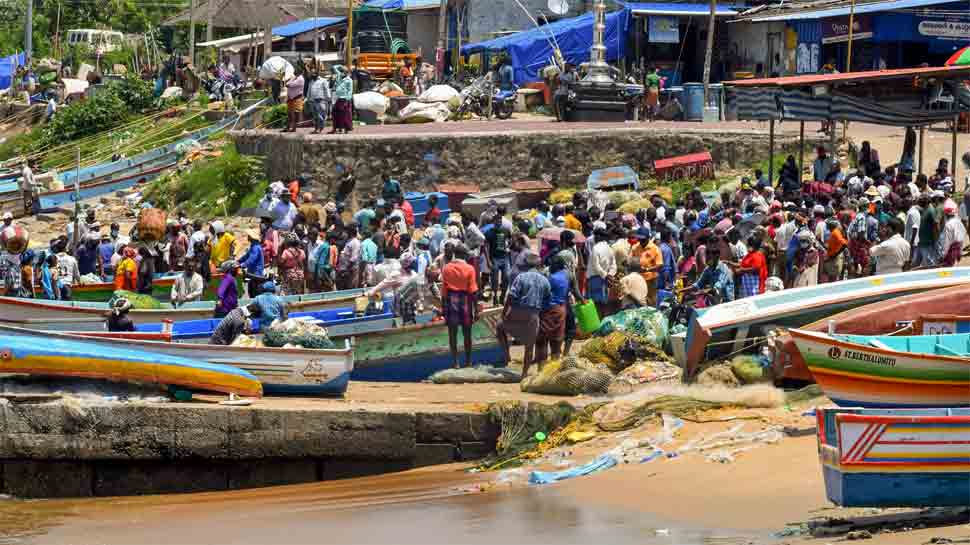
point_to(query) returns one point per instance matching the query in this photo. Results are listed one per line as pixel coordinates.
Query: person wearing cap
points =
(223, 244)
(527, 297)
(954, 235)
(893, 252)
(253, 262)
(459, 287)
(118, 319)
(188, 286)
(238, 321)
(227, 295)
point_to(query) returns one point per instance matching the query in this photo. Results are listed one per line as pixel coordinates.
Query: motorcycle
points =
(475, 98)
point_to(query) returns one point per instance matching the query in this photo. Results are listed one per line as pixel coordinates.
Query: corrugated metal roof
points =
(306, 25)
(851, 77)
(819, 10)
(672, 8)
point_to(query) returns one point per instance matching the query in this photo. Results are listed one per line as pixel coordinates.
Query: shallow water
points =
(420, 507)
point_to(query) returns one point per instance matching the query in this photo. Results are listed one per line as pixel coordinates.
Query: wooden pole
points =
(848, 54)
(771, 150)
(316, 33)
(350, 35)
(192, 32)
(57, 33)
(922, 138)
(268, 32)
(801, 149)
(709, 51)
(209, 15)
(953, 152)
(439, 54)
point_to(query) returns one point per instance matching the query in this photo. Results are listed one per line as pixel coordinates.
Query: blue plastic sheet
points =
(8, 67)
(531, 50)
(601, 463)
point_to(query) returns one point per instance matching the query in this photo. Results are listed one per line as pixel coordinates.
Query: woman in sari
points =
(343, 115)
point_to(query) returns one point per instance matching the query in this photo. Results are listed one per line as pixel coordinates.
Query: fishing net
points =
(569, 376)
(646, 322)
(480, 374)
(138, 301)
(297, 333)
(748, 369)
(807, 393)
(620, 349)
(519, 423)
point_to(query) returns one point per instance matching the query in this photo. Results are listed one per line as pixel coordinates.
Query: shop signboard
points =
(663, 29)
(945, 29)
(836, 29)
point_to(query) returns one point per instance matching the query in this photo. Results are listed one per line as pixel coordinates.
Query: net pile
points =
(138, 301)
(620, 349)
(297, 333)
(479, 374)
(569, 376)
(648, 323)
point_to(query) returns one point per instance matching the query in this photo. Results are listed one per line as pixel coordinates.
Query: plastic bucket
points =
(694, 101)
(586, 317)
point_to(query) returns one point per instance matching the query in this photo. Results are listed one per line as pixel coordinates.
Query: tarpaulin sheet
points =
(8, 67)
(531, 50)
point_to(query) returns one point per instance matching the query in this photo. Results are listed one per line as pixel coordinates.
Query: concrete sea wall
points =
(66, 450)
(495, 159)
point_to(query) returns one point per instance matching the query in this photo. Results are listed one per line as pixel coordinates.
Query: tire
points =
(505, 109)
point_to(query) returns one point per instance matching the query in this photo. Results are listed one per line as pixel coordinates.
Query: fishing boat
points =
(47, 355)
(161, 289)
(49, 315)
(732, 327)
(281, 371)
(414, 353)
(895, 457)
(339, 322)
(930, 313)
(885, 371)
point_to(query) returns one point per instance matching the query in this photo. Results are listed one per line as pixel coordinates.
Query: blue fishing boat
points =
(895, 457)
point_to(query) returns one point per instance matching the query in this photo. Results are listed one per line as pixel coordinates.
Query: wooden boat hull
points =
(83, 316)
(67, 357)
(414, 353)
(860, 375)
(894, 457)
(729, 327)
(161, 290)
(281, 371)
(879, 318)
(140, 174)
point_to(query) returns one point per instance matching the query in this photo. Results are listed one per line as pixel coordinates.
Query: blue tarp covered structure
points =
(531, 50)
(306, 25)
(8, 67)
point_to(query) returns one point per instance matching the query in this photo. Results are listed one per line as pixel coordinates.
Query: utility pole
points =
(350, 35)
(192, 32)
(709, 51)
(439, 54)
(316, 33)
(209, 14)
(29, 31)
(268, 32)
(848, 54)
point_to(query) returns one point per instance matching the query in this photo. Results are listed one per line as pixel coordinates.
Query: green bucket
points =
(587, 317)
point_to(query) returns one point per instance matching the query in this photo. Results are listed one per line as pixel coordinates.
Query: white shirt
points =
(67, 268)
(198, 236)
(891, 254)
(913, 217)
(783, 235)
(283, 215)
(27, 182)
(739, 250)
(602, 262)
(187, 289)
(953, 231)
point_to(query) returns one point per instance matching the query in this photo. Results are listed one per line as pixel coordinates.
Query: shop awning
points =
(793, 12)
(686, 10)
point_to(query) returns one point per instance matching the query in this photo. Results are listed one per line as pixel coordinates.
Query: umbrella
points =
(552, 233)
(254, 213)
(960, 58)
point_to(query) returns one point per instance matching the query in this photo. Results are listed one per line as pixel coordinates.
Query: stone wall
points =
(494, 159)
(59, 450)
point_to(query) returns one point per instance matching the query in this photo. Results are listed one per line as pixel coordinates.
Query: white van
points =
(100, 40)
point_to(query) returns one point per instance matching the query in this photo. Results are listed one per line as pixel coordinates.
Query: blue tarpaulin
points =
(531, 50)
(306, 25)
(407, 5)
(8, 67)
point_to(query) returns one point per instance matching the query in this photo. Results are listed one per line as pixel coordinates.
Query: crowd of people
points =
(536, 264)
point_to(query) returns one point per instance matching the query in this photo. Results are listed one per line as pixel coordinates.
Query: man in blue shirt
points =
(273, 306)
(717, 279)
(391, 190)
(252, 262)
(506, 75)
(667, 276)
(87, 255)
(364, 217)
(527, 297)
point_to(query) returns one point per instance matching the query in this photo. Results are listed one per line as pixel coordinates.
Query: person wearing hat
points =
(527, 297)
(188, 286)
(223, 244)
(459, 287)
(954, 235)
(118, 319)
(254, 262)
(227, 295)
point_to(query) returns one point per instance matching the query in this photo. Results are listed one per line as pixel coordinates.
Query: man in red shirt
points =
(408, 211)
(459, 290)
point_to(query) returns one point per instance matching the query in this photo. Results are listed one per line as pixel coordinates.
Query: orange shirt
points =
(294, 189)
(458, 276)
(650, 257)
(573, 223)
(835, 244)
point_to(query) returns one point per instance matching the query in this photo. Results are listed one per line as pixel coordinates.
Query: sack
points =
(480, 374)
(276, 68)
(569, 376)
(151, 224)
(438, 93)
(371, 102)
